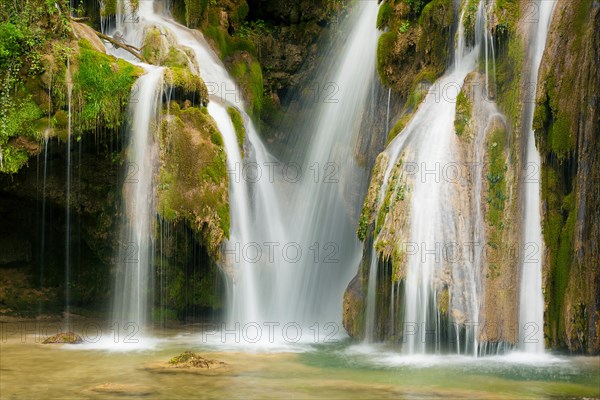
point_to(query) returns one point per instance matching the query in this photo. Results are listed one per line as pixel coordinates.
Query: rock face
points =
(567, 124)
(288, 50)
(353, 313)
(415, 48)
(410, 56)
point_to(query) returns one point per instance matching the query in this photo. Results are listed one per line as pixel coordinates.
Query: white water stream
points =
(531, 301)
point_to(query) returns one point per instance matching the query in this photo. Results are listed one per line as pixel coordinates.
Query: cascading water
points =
(135, 262)
(68, 194)
(320, 222)
(429, 143)
(531, 301)
(304, 260)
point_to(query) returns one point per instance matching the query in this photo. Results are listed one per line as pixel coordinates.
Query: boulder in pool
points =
(67, 337)
(190, 359)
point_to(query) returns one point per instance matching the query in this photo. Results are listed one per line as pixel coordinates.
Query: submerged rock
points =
(67, 337)
(190, 362)
(121, 389)
(190, 359)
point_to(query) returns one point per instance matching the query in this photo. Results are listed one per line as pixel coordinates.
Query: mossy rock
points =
(190, 359)
(64, 338)
(238, 125)
(155, 49)
(190, 362)
(416, 41)
(186, 85)
(193, 182)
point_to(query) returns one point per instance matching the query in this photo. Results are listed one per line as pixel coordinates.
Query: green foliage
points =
(11, 43)
(18, 117)
(25, 30)
(404, 26)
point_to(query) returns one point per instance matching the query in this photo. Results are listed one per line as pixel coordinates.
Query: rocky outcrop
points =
(415, 47)
(567, 123)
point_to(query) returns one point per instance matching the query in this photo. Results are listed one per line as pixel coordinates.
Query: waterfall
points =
(135, 262)
(387, 113)
(531, 301)
(320, 220)
(294, 215)
(428, 143)
(68, 194)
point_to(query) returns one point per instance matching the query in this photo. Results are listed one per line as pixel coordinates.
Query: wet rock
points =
(190, 362)
(353, 312)
(190, 359)
(61, 338)
(120, 389)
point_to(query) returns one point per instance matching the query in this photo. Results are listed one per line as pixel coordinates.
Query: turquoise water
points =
(336, 370)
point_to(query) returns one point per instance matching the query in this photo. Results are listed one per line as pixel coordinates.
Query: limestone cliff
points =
(567, 126)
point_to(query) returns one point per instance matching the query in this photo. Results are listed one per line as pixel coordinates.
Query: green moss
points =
(109, 8)
(464, 109)
(562, 143)
(383, 17)
(384, 48)
(497, 167)
(194, 12)
(508, 14)
(399, 127)
(191, 85)
(249, 76)
(508, 80)
(559, 230)
(19, 115)
(238, 126)
(394, 187)
(103, 83)
(470, 16)
(193, 183)
(226, 44)
(152, 48)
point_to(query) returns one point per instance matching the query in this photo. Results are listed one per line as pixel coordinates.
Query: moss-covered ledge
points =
(193, 181)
